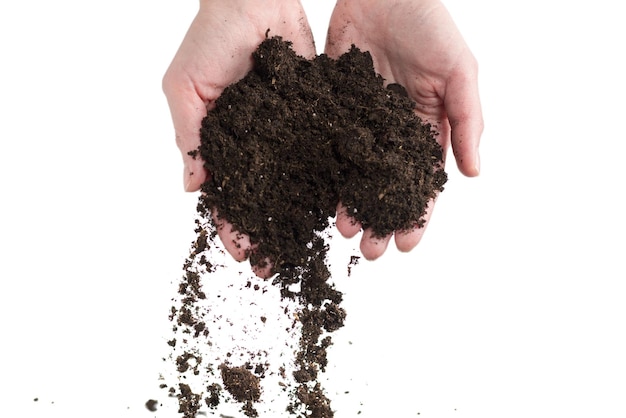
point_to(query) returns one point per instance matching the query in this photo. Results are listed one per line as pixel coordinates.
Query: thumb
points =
(187, 110)
(464, 112)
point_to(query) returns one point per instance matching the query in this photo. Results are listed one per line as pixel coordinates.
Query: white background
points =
(512, 306)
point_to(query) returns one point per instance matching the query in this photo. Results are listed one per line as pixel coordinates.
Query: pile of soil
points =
(283, 146)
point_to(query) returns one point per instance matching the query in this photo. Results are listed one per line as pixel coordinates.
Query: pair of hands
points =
(412, 42)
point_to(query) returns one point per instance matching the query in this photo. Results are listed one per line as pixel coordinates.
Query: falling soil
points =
(152, 405)
(243, 385)
(283, 147)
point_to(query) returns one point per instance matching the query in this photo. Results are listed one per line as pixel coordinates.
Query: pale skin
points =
(413, 42)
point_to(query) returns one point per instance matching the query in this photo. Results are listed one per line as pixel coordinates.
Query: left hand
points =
(414, 43)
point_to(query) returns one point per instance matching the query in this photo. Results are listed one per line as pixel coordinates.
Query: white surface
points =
(513, 305)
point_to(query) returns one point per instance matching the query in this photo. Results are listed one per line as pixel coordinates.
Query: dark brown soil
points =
(152, 405)
(283, 146)
(243, 385)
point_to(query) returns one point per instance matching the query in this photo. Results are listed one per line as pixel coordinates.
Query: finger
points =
(237, 244)
(407, 240)
(373, 247)
(347, 226)
(464, 112)
(264, 269)
(187, 110)
(239, 247)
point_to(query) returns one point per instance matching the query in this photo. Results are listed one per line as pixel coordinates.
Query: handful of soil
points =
(283, 146)
(296, 136)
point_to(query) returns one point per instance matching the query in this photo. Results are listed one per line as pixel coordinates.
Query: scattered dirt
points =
(283, 146)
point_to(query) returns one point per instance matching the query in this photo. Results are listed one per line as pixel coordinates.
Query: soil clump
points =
(283, 147)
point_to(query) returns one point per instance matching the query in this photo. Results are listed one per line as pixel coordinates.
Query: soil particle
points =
(152, 405)
(243, 385)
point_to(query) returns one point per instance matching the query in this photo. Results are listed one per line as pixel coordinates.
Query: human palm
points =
(414, 43)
